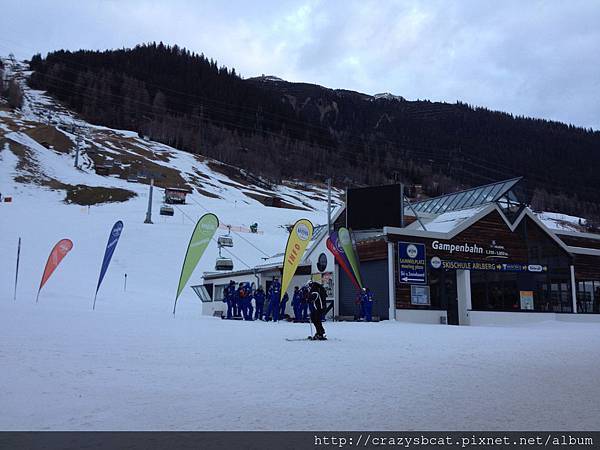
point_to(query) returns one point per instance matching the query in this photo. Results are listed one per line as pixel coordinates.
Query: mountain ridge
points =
(282, 129)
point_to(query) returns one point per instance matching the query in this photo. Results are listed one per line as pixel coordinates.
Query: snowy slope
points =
(562, 222)
(151, 255)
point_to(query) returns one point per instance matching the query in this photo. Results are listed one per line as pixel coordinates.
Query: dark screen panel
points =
(374, 207)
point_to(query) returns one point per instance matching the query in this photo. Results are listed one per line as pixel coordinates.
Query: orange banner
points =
(57, 254)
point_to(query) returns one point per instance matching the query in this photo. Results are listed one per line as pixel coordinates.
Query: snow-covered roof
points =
(447, 222)
(561, 222)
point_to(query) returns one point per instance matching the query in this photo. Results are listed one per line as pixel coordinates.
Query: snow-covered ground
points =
(120, 369)
(130, 365)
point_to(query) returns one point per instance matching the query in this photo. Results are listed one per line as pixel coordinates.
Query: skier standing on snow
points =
(317, 298)
(297, 304)
(229, 298)
(274, 293)
(259, 299)
(366, 298)
(283, 304)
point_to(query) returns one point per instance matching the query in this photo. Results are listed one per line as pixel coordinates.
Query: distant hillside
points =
(282, 129)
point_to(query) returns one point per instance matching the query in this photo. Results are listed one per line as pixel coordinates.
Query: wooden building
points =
(477, 256)
(174, 195)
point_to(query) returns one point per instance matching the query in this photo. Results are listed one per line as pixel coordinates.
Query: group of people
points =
(248, 303)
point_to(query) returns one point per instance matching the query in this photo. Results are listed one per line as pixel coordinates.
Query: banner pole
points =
(17, 269)
(125, 286)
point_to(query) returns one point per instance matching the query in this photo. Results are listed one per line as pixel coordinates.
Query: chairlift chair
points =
(166, 210)
(225, 240)
(223, 263)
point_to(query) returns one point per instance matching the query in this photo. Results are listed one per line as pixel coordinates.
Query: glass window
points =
(432, 204)
(419, 206)
(475, 197)
(491, 196)
(443, 205)
(588, 296)
(465, 199)
(454, 200)
(219, 294)
(481, 197)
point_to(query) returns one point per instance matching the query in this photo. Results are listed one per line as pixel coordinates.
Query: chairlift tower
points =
(77, 148)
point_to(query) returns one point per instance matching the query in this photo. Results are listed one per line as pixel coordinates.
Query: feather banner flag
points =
(333, 244)
(203, 232)
(298, 240)
(59, 251)
(113, 238)
(346, 242)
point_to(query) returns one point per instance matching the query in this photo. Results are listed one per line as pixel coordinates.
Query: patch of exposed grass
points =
(282, 204)
(87, 195)
(49, 136)
(206, 193)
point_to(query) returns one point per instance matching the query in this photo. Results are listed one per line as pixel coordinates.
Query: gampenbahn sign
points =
(412, 268)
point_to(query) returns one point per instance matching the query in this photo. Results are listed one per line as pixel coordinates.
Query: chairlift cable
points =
(214, 240)
(236, 233)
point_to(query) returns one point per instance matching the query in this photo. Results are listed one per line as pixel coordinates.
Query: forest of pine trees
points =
(295, 130)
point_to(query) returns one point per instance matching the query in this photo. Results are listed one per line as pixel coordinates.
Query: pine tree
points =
(15, 95)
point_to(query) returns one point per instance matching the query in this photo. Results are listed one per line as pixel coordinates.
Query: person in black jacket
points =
(317, 298)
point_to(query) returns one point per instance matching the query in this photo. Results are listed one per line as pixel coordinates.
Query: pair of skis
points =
(309, 338)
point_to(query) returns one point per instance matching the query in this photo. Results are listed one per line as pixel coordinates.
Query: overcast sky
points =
(534, 58)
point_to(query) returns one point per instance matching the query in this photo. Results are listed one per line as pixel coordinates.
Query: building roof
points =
(479, 196)
(177, 189)
(448, 221)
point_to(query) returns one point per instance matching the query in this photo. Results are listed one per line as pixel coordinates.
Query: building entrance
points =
(443, 293)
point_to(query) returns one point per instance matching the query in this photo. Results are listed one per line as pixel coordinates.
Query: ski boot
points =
(318, 337)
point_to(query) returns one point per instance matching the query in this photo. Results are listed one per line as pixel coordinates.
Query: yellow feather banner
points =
(300, 236)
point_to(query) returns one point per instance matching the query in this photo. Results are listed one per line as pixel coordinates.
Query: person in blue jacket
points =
(229, 298)
(238, 310)
(283, 304)
(304, 302)
(236, 301)
(274, 295)
(250, 298)
(366, 298)
(297, 304)
(259, 300)
(245, 294)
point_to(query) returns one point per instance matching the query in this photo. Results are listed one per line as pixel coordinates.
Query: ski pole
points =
(17, 269)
